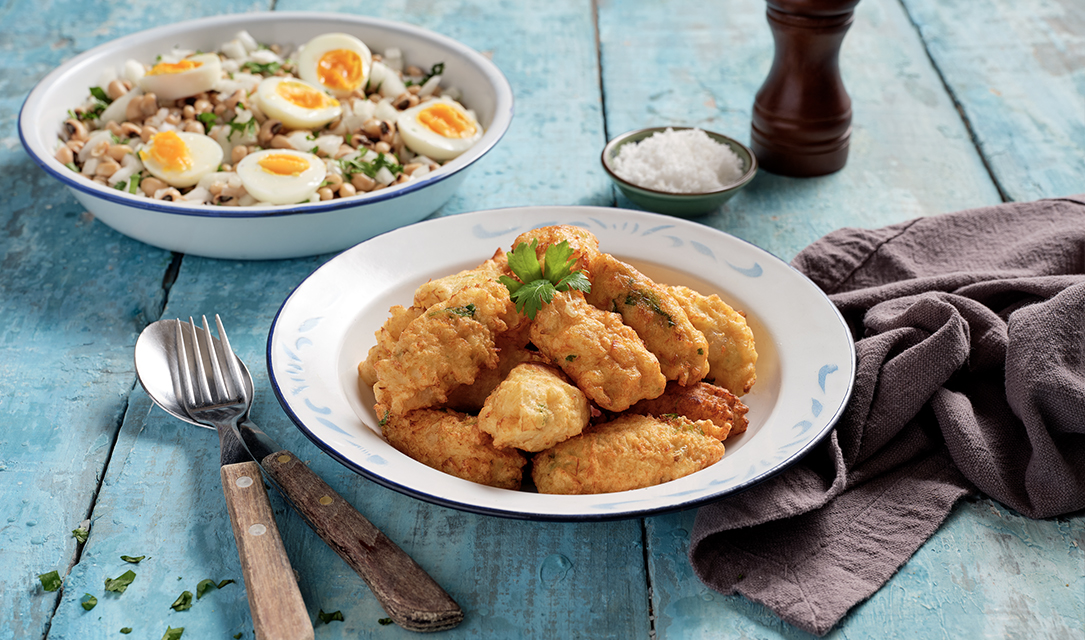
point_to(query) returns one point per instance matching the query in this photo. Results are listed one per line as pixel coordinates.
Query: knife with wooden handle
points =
(410, 596)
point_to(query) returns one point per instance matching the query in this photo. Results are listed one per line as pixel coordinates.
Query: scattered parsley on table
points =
(88, 601)
(121, 582)
(50, 581)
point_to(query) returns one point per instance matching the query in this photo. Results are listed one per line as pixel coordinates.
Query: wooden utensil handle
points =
(410, 596)
(278, 611)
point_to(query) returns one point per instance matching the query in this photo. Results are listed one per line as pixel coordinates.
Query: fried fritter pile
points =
(628, 385)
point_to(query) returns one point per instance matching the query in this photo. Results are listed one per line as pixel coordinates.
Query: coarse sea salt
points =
(686, 161)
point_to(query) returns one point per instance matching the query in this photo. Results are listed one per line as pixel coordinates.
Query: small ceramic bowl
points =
(265, 231)
(679, 204)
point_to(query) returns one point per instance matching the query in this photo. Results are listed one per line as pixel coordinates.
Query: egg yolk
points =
(169, 150)
(168, 68)
(304, 96)
(340, 69)
(283, 164)
(446, 121)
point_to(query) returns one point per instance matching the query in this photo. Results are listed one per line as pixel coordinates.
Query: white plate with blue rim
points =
(805, 367)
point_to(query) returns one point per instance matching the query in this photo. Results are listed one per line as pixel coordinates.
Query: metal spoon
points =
(410, 596)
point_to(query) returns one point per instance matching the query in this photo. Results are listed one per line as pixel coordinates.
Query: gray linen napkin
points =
(970, 339)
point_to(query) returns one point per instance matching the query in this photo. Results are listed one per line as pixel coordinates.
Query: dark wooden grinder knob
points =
(802, 114)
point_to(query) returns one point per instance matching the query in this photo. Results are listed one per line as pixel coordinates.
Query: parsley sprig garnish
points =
(539, 280)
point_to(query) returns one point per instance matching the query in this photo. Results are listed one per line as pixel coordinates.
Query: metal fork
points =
(278, 610)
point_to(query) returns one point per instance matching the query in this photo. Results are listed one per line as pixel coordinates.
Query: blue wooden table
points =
(957, 104)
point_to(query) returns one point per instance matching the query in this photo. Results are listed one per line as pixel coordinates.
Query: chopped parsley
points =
(328, 617)
(466, 311)
(88, 601)
(539, 280)
(80, 534)
(133, 183)
(650, 300)
(203, 587)
(121, 582)
(226, 582)
(50, 581)
(262, 68)
(385, 621)
(240, 127)
(74, 167)
(134, 560)
(173, 634)
(100, 95)
(183, 602)
(384, 418)
(351, 167)
(570, 357)
(209, 119)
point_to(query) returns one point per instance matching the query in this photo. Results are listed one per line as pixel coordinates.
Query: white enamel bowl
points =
(266, 232)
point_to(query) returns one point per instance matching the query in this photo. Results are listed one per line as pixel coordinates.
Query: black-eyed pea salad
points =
(256, 124)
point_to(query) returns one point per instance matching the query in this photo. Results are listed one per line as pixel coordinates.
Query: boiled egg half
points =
(441, 129)
(180, 158)
(281, 176)
(337, 62)
(184, 78)
(296, 103)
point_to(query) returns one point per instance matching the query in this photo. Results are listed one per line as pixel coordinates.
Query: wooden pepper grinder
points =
(802, 114)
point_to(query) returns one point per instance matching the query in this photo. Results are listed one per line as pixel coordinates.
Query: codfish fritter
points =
(657, 318)
(387, 336)
(732, 355)
(447, 345)
(451, 442)
(701, 401)
(584, 244)
(630, 452)
(534, 409)
(605, 358)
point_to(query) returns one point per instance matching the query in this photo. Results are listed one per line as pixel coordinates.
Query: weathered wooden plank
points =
(988, 573)
(681, 63)
(73, 298)
(547, 51)
(1017, 69)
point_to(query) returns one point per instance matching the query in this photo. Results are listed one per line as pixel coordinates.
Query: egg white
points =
(295, 116)
(171, 86)
(203, 154)
(421, 139)
(311, 55)
(275, 188)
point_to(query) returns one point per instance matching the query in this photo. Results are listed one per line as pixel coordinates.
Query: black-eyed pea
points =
(401, 178)
(411, 167)
(146, 133)
(325, 193)
(402, 101)
(202, 105)
(99, 150)
(216, 188)
(414, 89)
(347, 190)
(64, 155)
(193, 126)
(118, 151)
(333, 180)
(107, 167)
(148, 104)
(115, 89)
(133, 112)
(151, 185)
(362, 182)
(114, 127)
(129, 130)
(413, 71)
(219, 109)
(75, 129)
(344, 149)
(188, 112)
(238, 152)
(169, 194)
(238, 97)
(174, 119)
(76, 145)
(280, 142)
(374, 128)
(389, 132)
(268, 131)
(382, 147)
